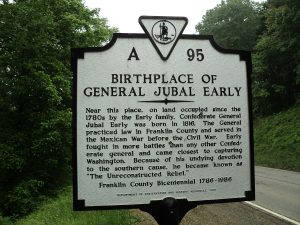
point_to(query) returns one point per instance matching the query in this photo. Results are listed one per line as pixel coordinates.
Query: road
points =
(276, 190)
(221, 214)
(279, 191)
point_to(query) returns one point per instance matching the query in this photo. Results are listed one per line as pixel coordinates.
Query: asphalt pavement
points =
(276, 190)
(221, 214)
(279, 191)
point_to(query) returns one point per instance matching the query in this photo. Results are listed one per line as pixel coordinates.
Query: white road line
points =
(273, 213)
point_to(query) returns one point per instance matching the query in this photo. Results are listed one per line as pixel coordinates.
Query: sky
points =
(124, 14)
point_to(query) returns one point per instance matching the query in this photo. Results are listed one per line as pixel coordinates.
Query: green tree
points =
(35, 94)
(233, 23)
(277, 59)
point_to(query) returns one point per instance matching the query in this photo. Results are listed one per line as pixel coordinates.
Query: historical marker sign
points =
(161, 115)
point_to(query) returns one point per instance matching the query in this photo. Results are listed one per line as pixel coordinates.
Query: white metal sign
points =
(161, 115)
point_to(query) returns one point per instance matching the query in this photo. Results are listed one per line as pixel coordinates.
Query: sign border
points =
(78, 53)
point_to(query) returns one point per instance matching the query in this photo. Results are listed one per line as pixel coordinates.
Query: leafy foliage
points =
(272, 31)
(277, 58)
(277, 140)
(233, 23)
(35, 95)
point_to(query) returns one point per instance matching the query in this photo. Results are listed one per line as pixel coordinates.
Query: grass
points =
(59, 212)
(277, 140)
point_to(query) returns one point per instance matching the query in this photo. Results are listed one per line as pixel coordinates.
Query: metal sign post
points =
(162, 121)
(169, 211)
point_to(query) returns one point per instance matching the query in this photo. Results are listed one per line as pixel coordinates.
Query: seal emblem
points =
(164, 32)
